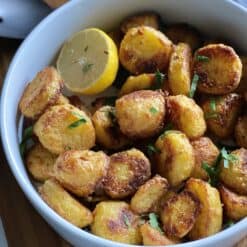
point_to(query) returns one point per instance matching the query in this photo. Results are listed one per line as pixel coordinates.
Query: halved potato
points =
(241, 131)
(64, 204)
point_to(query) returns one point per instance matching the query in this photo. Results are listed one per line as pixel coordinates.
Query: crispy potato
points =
(152, 237)
(149, 19)
(148, 195)
(176, 158)
(81, 171)
(184, 33)
(179, 71)
(206, 151)
(117, 36)
(160, 205)
(187, 116)
(42, 92)
(235, 206)
(145, 50)
(64, 127)
(209, 220)
(64, 204)
(179, 214)
(222, 120)
(241, 131)
(40, 162)
(242, 87)
(62, 100)
(127, 171)
(141, 114)
(107, 130)
(234, 175)
(222, 72)
(115, 221)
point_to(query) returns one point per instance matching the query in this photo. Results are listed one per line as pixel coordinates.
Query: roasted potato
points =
(209, 220)
(242, 87)
(179, 71)
(235, 206)
(175, 160)
(241, 131)
(40, 162)
(42, 92)
(149, 195)
(221, 72)
(234, 175)
(149, 19)
(179, 214)
(62, 100)
(127, 171)
(115, 221)
(107, 130)
(141, 114)
(184, 33)
(64, 204)
(145, 50)
(81, 171)
(221, 113)
(64, 127)
(187, 116)
(205, 151)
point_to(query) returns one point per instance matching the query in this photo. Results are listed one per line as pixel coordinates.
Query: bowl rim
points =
(30, 192)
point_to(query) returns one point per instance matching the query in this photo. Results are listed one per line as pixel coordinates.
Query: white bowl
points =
(216, 18)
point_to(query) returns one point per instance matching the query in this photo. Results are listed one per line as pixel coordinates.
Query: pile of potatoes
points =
(133, 171)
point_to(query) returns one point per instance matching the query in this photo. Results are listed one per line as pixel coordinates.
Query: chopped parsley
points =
(201, 58)
(78, 122)
(153, 221)
(229, 223)
(212, 113)
(227, 157)
(193, 87)
(126, 220)
(153, 110)
(159, 80)
(27, 135)
(151, 149)
(86, 67)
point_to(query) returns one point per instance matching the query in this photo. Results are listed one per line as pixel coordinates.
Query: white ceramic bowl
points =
(214, 17)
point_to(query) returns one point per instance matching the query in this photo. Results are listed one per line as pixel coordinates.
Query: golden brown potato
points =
(179, 214)
(149, 19)
(235, 206)
(187, 116)
(127, 171)
(241, 131)
(153, 237)
(222, 71)
(234, 175)
(184, 33)
(145, 50)
(115, 221)
(206, 151)
(64, 204)
(209, 220)
(141, 114)
(62, 100)
(64, 127)
(81, 171)
(42, 92)
(148, 195)
(242, 87)
(221, 114)
(176, 158)
(179, 71)
(40, 162)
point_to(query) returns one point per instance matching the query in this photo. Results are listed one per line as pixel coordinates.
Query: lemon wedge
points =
(88, 62)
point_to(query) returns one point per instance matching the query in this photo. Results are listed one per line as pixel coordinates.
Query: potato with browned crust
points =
(179, 214)
(205, 151)
(64, 204)
(62, 100)
(221, 113)
(145, 50)
(141, 114)
(40, 162)
(127, 171)
(81, 171)
(234, 174)
(175, 159)
(187, 116)
(64, 127)
(221, 72)
(149, 195)
(43, 91)
(179, 71)
(114, 220)
(209, 220)
(241, 131)
(242, 87)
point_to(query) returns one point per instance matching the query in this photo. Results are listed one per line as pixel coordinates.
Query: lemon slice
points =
(88, 62)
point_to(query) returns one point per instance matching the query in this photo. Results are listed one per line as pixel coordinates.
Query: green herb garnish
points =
(126, 220)
(213, 105)
(159, 80)
(151, 149)
(193, 85)
(27, 135)
(229, 223)
(77, 123)
(227, 157)
(212, 113)
(213, 173)
(153, 110)
(87, 67)
(201, 58)
(153, 221)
